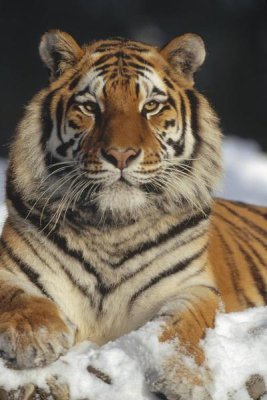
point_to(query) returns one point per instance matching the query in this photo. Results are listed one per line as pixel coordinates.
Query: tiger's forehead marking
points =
(123, 70)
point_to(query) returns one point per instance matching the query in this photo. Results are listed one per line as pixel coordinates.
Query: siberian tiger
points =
(111, 219)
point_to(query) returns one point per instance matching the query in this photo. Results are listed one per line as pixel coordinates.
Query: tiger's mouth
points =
(123, 180)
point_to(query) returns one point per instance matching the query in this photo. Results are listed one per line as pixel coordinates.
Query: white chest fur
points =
(109, 284)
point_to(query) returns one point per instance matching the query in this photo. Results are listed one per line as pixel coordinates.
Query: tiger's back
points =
(238, 253)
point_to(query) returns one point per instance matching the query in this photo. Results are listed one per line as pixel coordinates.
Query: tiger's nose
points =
(119, 158)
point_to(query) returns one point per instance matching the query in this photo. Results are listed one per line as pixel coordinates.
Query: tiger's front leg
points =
(33, 331)
(186, 319)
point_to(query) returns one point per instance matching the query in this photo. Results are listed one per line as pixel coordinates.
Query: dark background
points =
(234, 76)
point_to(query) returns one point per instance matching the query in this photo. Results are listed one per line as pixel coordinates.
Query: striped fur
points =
(111, 218)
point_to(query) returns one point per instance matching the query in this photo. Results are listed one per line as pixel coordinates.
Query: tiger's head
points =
(120, 131)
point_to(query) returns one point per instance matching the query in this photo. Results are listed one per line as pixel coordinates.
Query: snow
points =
(235, 350)
(245, 176)
(125, 361)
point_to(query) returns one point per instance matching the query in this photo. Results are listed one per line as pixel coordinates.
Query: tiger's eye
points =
(88, 108)
(91, 106)
(151, 106)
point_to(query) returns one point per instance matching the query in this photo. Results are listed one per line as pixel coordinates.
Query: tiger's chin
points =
(122, 203)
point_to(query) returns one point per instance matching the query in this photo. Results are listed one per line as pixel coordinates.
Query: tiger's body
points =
(111, 218)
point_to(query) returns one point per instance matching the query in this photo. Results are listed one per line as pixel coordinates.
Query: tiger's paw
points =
(34, 333)
(55, 390)
(178, 381)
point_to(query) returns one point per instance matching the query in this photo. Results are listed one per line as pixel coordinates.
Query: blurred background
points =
(233, 78)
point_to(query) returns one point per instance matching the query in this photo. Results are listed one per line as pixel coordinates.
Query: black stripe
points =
(103, 59)
(234, 272)
(46, 120)
(107, 46)
(164, 237)
(195, 313)
(164, 108)
(137, 89)
(158, 91)
(199, 271)
(59, 117)
(141, 73)
(169, 123)
(193, 100)
(210, 288)
(82, 92)
(33, 250)
(25, 268)
(181, 266)
(207, 324)
(16, 293)
(142, 60)
(122, 55)
(150, 262)
(138, 49)
(192, 312)
(73, 124)
(257, 276)
(74, 82)
(61, 243)
(261, 211)
(239, 232)
(178, 146)
(83, 289)
(243, 247)
(136, 66)
(22, 207)
(262, 261)
(104, 49)
(71, 101)
(249, 302)
(151, 187)
(64, 147)
(168, 83)
(172, 102)
(250, 223)
(103, 69)
(161, 143)
(183, 113)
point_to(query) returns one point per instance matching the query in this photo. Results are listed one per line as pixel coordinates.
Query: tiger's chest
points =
(107, 295)
(116, 301)
(109, 284)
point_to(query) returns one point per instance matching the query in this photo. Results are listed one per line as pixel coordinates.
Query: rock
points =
(256, 387)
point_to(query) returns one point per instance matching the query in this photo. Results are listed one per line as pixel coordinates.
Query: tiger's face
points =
(122, 128)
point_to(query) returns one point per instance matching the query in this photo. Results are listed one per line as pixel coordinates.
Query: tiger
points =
(112, 219)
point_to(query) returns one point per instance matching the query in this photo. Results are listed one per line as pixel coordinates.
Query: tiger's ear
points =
(185, 53)
(59, 51)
